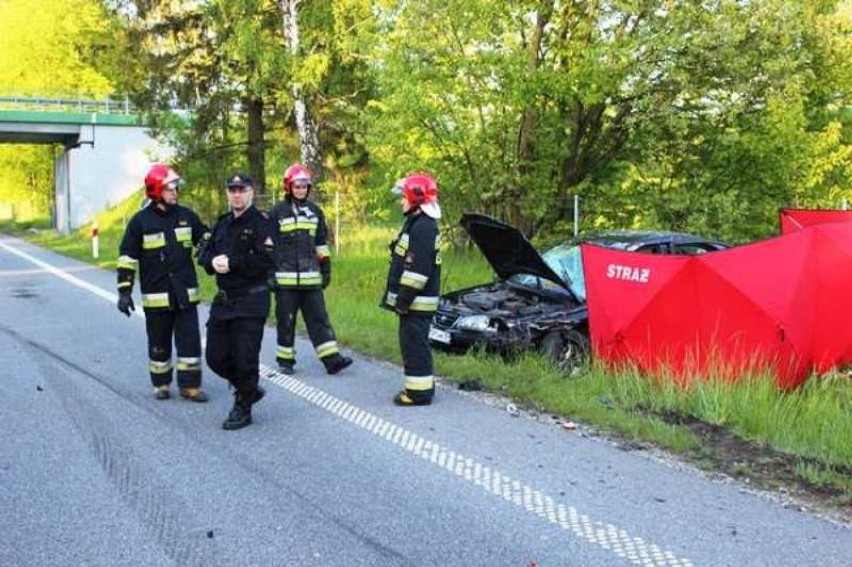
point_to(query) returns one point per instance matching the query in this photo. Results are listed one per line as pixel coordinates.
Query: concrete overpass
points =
(105, 150)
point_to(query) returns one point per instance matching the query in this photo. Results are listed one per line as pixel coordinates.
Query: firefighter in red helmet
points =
(413, 285)
(158, 243)
(302, 272)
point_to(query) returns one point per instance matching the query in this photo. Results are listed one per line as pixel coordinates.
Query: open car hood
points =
(507, 249)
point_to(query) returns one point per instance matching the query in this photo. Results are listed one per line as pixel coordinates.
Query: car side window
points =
(652, 249)
(692, 248)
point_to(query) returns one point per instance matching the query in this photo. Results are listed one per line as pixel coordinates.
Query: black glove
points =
(325, 271)
(202, 244)
(125, 303)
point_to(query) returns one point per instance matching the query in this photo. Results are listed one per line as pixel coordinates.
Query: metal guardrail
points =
(105, 106)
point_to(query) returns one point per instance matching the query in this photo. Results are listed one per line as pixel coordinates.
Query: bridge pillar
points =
(62, 186)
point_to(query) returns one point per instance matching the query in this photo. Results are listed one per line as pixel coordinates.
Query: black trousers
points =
(233, 350)
(416, 354)
(182, 326)
(312, 304)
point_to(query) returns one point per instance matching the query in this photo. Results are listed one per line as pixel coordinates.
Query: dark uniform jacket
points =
(302, 253)
(248, 242)
(159, 244)
(414, 278)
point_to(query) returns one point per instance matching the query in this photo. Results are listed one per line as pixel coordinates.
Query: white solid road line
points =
(633, 549)
(109, 296)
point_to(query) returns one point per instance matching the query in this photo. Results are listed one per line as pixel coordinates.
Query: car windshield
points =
(565, 260)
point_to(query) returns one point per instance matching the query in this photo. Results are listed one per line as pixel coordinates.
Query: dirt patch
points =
(762, 467)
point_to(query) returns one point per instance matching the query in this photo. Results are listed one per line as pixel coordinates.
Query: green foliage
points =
(673, 115)
(43, 45)
(42, 53)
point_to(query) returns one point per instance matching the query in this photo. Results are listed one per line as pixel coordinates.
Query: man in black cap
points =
(240, 253)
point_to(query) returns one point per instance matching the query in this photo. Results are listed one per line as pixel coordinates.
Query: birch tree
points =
(308, 137)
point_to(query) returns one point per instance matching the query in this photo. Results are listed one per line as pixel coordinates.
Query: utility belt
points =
(225, 295)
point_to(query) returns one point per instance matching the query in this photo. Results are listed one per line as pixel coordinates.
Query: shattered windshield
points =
(565, 260)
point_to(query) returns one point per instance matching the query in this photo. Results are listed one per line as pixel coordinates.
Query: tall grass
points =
(813, 421)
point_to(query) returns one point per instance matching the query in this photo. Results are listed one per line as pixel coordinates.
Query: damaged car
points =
(538, 300)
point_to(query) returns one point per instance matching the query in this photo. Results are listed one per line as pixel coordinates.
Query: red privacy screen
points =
(781, 303)
(791, 220)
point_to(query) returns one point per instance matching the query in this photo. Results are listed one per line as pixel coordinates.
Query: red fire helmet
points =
(296, 172)
(158, 177)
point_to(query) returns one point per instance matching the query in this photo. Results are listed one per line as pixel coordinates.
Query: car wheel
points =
(568, 350)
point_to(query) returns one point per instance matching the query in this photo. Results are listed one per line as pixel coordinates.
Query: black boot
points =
(240, 415)
(336, 362)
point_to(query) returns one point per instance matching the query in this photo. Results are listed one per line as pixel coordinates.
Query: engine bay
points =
(502, 300)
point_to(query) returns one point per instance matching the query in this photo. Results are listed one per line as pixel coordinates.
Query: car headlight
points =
(480, 323)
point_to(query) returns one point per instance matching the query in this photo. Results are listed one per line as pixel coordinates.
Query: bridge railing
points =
(105, 106)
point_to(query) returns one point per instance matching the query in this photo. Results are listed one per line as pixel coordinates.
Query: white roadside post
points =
(337, 223)
(95, 243)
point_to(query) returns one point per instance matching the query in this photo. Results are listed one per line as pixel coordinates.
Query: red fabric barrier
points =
(781, 303)
(791, 220)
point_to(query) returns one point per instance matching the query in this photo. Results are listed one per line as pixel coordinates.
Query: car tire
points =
(568, 350)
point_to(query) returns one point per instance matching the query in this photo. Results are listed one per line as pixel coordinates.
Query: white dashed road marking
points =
(607, 536)
(634, 549)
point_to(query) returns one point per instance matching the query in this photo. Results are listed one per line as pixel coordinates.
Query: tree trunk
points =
(256, 146)
(308, 137)
(529, 121)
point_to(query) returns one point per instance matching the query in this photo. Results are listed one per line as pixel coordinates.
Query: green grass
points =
(812, 422)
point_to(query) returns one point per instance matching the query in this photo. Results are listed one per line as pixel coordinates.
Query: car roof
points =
(632, 239)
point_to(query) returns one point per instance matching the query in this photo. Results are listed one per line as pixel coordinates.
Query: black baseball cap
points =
(239, 179)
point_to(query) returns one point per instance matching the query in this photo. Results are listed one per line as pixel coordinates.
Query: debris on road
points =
(474, 385)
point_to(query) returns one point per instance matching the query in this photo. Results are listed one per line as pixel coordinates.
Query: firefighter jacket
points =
(248, 242)
(302, 254)
(414, 278)
(159, 245)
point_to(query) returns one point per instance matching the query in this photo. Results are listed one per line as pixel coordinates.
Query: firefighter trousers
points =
(233, 350)
(416, 355)
(312, 304)
(162, 327)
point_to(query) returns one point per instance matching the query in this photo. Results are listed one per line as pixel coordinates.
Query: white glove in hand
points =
(220, 264)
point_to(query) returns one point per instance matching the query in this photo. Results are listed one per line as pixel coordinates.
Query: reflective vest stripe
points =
(295, 278)
(401, 245)
(424, 303)
(152, 241)
(183, 233)
(155, 299)
(122, 285)
(420, 303)
(292, 224)
(413, 279)
(193, 294)
(128, 263)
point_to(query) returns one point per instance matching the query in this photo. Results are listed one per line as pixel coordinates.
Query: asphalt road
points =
(95, 472)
